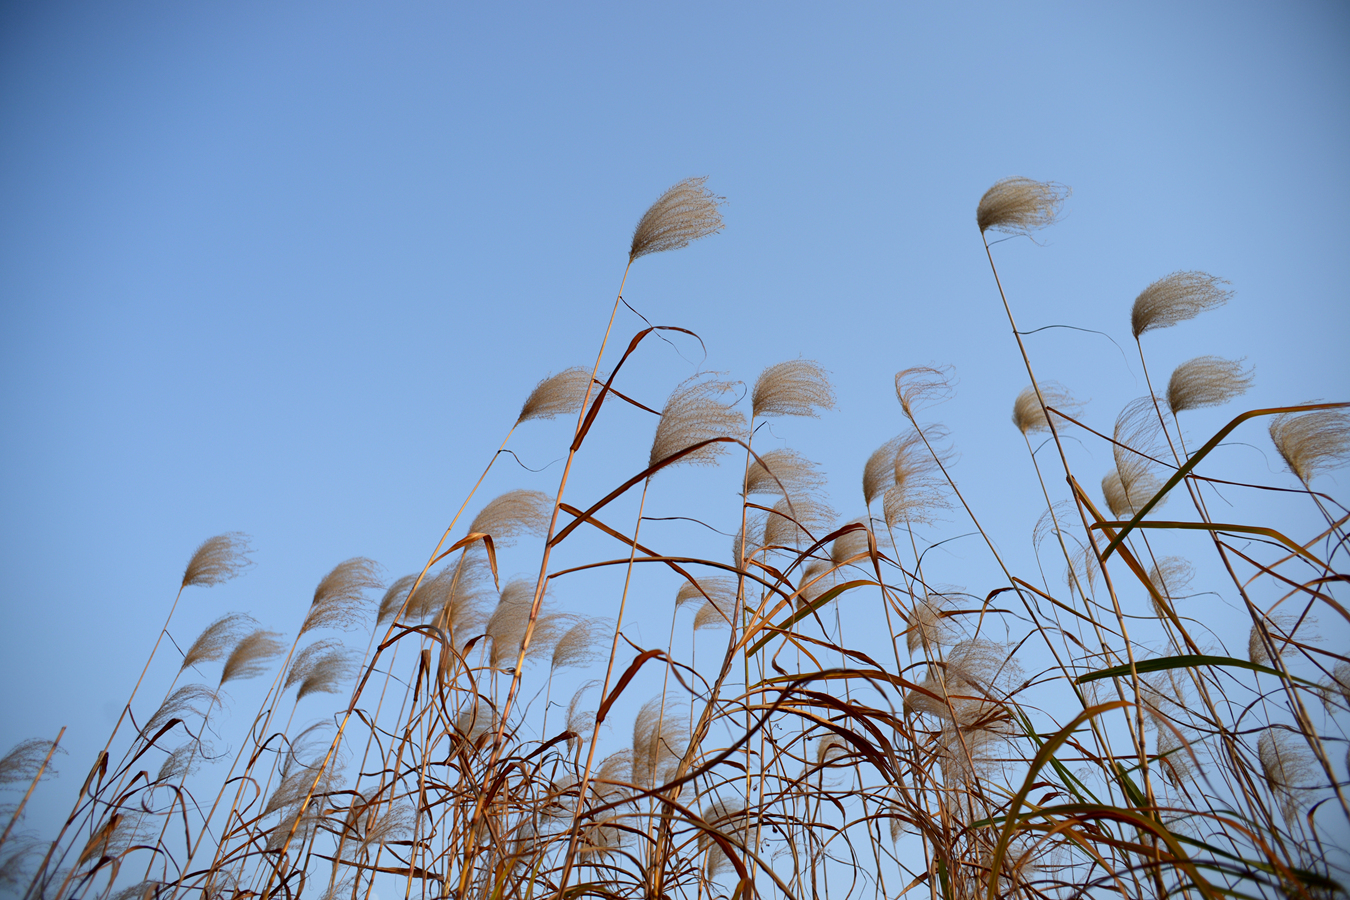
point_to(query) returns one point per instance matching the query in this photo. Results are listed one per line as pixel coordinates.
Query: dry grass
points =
(785, 750)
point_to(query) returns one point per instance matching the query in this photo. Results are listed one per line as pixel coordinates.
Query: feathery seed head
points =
(799, 524)
(783, 470)
(919, 387)
(879, 471)
(697, 411)
(218, 559)
(797, 387)
(393, 598)
(340, 599)
(1137, 448)
(579, 645)
(658, 742)
(1029, 416)
(1337, 686)
(251, 655)
(1206, 381)
(1176, 298)
(1020, 205)
(23, 760)
(180, 763)
(852, 543)
(556, 395)
(1288, 770)
(927, 626)
(217, 639)
(1173, 758)
(320, 668)
(684, 213)
(718, 588)
(1170, 576)
(1125, 502)
(190, 699)
(513, 514)
(1312, 442)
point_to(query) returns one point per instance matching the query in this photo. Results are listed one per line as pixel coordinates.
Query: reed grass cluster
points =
(825, 717)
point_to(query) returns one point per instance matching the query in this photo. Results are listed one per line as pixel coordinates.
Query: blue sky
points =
(290, 269)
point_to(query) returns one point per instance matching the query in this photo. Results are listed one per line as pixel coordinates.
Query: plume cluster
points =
(24, 759)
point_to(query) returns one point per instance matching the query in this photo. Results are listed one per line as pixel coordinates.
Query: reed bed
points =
(825, 718)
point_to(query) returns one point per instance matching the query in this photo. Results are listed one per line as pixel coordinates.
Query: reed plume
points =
(919, 387)
(852, 543)
(340, 597)
(513, 514)
(728, 818)
(181, 763)
(1206, 381)
(24, 759)
(506, 626)
(251, 655)
(1338, 685)
(917, 491)
(186, 700)
(1279, 629)
(579, 719)
(799, 524)
(1288, 771)
(696, 411)
(556, 395)
(720, 589)
(797, 387)
(320, 668)
(393, 598)
(218, 559)
(1170, 576)
(1312, 442)
(879, 470)
(1020, 205)
(1124, 501)
(658, 743)
(684, 213)
(927, 625)
(1029, 416)
(217, 639)
(1138, 445)
(1172, 756)
(783, 472)
(579, 645)
(1176, 298)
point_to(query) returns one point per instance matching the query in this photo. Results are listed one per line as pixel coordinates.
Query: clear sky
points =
(290, 269)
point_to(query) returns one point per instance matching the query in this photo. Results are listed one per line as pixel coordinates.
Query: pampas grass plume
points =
(797, 387)
(1020, 205)
(1176, 298)
(556, 395)
(1206, 381)
(1312, 442)
(684, 213)
(340, 598)
(218, 559)
(696, 411)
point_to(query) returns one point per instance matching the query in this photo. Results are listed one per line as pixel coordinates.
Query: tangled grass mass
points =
(825, 718)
